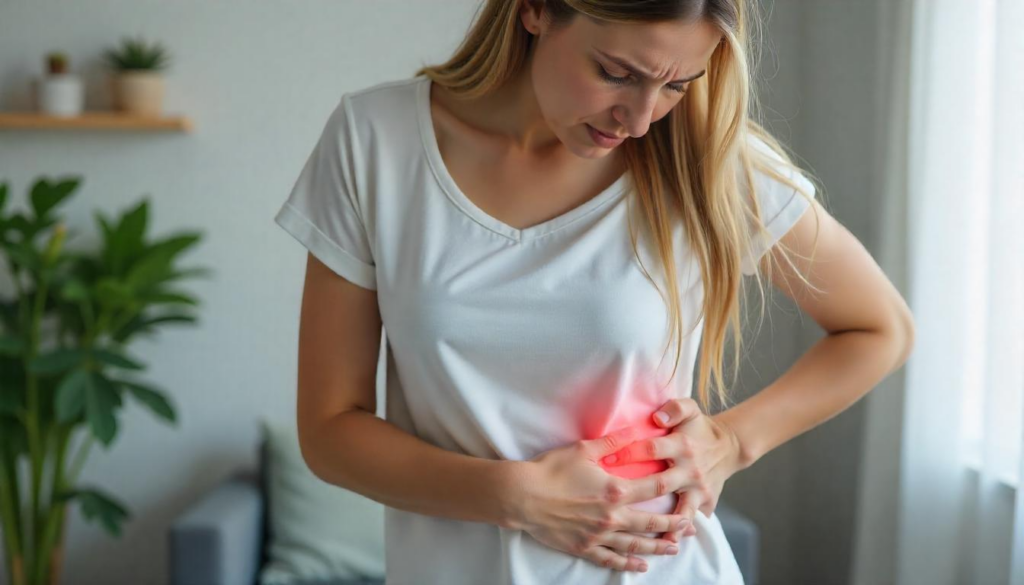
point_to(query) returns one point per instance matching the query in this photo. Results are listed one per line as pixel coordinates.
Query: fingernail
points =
(662, 416)
(643, 567)
(682, 523)
(672, 550)
(611, 459)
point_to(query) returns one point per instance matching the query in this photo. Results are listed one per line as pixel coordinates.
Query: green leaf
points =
(111, 291)
(13, 436)
(71, 393)
(25, 255)
(117, 360)
(100, 400)
(74, 290)
(10, 400)
(99, 506)
(46, 195)
(155, 399)
(58, 360)
(156, 264)
(140, 324)
(11, 345)
(169, 297)
(21, 224)
(133, 225)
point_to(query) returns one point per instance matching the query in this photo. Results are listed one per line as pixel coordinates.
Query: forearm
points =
(834, 374)
(370, 456)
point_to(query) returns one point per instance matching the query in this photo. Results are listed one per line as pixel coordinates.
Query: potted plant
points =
(137, 83)
(59, 92)
(65, 373)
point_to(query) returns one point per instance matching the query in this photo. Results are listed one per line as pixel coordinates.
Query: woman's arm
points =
(870, 335)
(368, 455)
(344, 443)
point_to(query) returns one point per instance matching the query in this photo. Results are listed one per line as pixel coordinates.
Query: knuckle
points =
(686, 447)
(661, 485)
(611, 442)
(634, 545)
(652, 449)
(652, 523)
(606, 521)
(697, 475)
(614, 492)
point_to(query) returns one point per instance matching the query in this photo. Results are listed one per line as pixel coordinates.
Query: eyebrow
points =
(641, 74)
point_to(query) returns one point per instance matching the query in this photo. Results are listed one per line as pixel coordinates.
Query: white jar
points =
(60, 94)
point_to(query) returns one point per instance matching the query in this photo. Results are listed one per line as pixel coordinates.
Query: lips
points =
(609, 135)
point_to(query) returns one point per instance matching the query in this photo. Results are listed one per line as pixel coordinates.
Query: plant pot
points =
(139, 92)
(60, 94)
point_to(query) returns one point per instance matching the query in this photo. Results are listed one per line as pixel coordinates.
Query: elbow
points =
(310, 443)
(903, 333)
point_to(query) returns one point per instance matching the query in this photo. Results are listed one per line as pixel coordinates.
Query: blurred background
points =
(911, 112)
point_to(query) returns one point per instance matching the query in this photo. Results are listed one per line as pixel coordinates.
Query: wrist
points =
(513, 494)
(744, 456)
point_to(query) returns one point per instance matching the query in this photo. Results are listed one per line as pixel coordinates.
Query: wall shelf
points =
(94, 120)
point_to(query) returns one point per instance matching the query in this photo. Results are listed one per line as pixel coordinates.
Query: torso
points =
(519, 191)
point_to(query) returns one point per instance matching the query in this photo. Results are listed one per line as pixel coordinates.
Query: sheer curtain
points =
(960, 513)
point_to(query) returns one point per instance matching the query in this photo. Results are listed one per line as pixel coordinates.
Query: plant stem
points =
(55, 511)
(36, 452)
(12, 546)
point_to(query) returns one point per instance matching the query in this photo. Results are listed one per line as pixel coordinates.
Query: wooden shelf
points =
(95, 120)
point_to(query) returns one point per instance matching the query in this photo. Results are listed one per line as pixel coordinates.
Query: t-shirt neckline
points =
(466, 205)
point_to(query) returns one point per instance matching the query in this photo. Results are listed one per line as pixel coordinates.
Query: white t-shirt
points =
(501, 342)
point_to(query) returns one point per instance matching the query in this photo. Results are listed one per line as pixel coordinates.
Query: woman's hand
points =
(570, 503)
(698, 447)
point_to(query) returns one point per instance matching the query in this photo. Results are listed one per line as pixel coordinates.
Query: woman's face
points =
(571, 70)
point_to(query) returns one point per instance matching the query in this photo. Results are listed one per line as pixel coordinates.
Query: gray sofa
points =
(220, 539)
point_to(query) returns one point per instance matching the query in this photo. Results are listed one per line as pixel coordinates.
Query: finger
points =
(677, 412)
(674, 534)
(610, 443)
(606, 557)
(674, 479)
(667, 447)
(688, 508)
(640, 521)
(634, 544)
(682, 509)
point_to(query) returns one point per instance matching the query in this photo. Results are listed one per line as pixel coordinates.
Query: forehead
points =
(680, 46)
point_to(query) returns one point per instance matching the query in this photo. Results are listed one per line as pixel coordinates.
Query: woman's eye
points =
(623, 80)
(604, 73)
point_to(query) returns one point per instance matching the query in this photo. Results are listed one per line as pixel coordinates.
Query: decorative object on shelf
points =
(64, 373)
(59, 92)
(138, 82)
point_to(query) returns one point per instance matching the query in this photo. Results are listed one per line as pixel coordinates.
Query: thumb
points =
(677, 412)
(611, 443)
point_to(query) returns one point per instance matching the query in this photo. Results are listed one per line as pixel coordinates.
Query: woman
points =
(534, 224)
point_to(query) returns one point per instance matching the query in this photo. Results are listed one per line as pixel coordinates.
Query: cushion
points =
(316, 530)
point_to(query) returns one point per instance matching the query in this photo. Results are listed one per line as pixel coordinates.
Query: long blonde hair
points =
(689, 160)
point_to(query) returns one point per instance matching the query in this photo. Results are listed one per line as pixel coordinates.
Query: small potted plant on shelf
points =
(59, 92)
(137, 84)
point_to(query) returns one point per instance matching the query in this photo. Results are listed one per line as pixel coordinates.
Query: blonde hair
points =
(689, 160)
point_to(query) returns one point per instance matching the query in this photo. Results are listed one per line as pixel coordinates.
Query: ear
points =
(530, 12)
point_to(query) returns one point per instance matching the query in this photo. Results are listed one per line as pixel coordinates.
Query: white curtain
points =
(959, 512)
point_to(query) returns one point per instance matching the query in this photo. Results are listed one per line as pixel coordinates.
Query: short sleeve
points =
(324, 212)
(781, 206)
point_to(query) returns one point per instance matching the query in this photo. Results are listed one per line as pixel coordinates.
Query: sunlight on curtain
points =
(961, 514)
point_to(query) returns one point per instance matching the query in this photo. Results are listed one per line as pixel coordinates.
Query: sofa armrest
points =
(219, 539)
(744, 538)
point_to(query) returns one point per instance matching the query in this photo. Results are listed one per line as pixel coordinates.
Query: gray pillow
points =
(317, 530)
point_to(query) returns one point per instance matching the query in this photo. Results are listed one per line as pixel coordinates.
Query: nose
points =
(636, 114)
